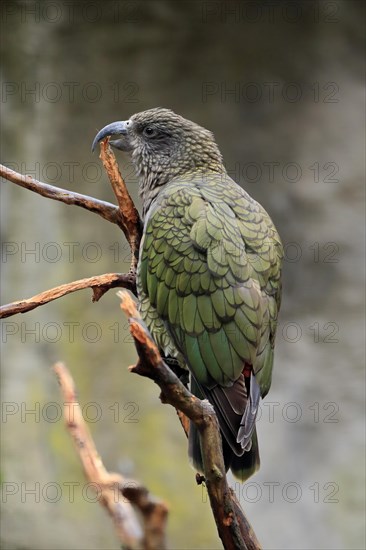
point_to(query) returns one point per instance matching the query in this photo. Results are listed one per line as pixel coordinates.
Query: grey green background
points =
(120, 58)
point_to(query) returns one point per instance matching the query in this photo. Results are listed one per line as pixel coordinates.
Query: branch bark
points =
(118, 495)
(132, 226)
(106, 210)
(99, 284)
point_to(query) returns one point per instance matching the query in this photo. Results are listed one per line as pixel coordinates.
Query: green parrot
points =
(208, 276)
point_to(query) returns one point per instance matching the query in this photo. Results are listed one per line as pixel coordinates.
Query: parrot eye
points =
(149, 131)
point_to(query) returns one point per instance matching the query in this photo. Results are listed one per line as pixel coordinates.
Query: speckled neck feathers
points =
(180, 146)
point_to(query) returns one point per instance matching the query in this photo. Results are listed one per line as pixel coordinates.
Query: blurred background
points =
(281, 85)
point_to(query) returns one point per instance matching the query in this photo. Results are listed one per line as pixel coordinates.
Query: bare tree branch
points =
(130, 217)
(114, 492)
(125, 216)
(99, 284)
(106, 210)
(233, 527)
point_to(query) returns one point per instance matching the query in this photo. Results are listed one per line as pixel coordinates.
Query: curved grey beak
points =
(116, 128)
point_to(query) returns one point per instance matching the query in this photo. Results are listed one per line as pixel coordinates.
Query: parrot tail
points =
(242, 465)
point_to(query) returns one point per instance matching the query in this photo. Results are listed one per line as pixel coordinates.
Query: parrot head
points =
(163, 145)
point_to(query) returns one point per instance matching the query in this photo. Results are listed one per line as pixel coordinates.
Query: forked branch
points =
(118, 495)
(125, 215)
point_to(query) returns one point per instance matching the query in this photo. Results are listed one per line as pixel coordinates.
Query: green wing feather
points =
(209, 272)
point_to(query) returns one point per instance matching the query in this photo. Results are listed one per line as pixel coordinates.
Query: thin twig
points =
(99, 284)
(114, 492)
(106, 210)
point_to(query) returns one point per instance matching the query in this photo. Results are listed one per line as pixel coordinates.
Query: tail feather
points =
(245, 466)
(229, 415)
(247, 423)
(230, 405)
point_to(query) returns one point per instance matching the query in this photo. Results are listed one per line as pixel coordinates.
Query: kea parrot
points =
(208, 275)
